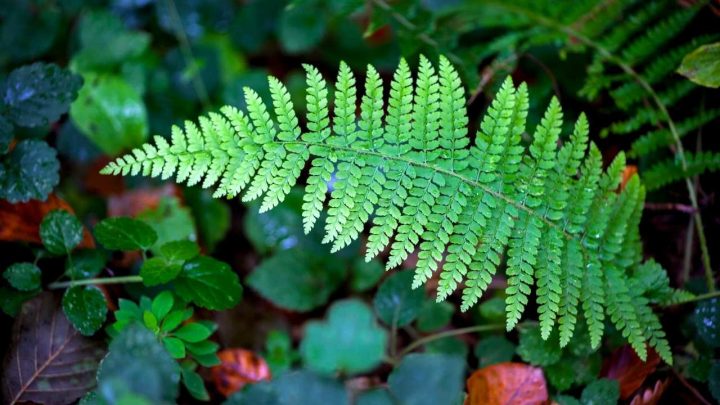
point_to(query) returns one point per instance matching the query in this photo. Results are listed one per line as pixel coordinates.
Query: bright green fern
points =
(408, 171)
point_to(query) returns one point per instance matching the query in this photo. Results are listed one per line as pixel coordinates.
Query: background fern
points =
(434, 191)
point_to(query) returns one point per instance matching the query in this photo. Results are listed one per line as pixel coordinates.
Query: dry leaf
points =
(626, 367)
(628, 172)
(21, 222)
(650, 396)
(238, 367)
(48, 361)
(507, 384)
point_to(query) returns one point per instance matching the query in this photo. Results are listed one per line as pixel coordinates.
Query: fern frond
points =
(413, 175)
(670, 170)
(662, 138)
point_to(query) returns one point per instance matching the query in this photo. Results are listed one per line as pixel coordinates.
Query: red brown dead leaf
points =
(507, 384)
(650, 396)
(238, 368)
(131, 203)
(626, 367)
(21, 222)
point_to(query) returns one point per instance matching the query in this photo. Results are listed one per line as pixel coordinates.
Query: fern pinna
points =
(409, 170)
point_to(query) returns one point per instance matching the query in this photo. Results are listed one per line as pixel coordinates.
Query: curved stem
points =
(630, 71)
(701, 297)
(453, 332)
(95, 281)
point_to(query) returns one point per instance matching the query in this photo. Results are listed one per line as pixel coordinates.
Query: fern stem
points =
(697, 298)
(438, 169)
(453, 332)
(629, 70)
(95, 281)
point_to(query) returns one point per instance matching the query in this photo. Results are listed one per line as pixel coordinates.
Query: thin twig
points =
(690, 388)
(95, 281)
(670, 207)
(453, 332)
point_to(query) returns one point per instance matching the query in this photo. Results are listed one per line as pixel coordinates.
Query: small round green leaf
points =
(60, 232)
(209, 283)
(179, 250)
(38, 94)
(349, 341)
(123, 233)
(23, 276)
(396, 303)
(85, 308)
(159, 270)
(702, 66)
(30, 171)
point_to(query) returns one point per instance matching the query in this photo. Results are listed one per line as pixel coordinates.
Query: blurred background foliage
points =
(129, 69)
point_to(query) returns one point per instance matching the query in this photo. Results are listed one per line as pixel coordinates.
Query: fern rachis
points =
(412, 174)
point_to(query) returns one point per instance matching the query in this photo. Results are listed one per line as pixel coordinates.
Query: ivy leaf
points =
(85, 307)
(111, 113)
(395, 302)
(308, 282)
(38, 94)
(123, 233)
(534, 350)
(209, 283)
(29, 172)
(349, 341)
(23, 276)
(504, 383)
(60, 232)
(140, 365)
(430, 379)
(106, 42)
(494, 350)
(86, 263)
(47, 361)
(702, 66)
(434, 315)
(601, 392)
(707, 321)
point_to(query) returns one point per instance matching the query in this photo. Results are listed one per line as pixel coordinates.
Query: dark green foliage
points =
(395, 303)
(23, 276)
(707, 321)
(60, 232)
(28, 172)
(435, 192)
(122, 233)
(85, 308)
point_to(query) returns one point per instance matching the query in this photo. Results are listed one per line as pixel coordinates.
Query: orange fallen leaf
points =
(238, 368)
(507, 384)
(650, 396)
(628, 172)
(626, 367)
(21, 222)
